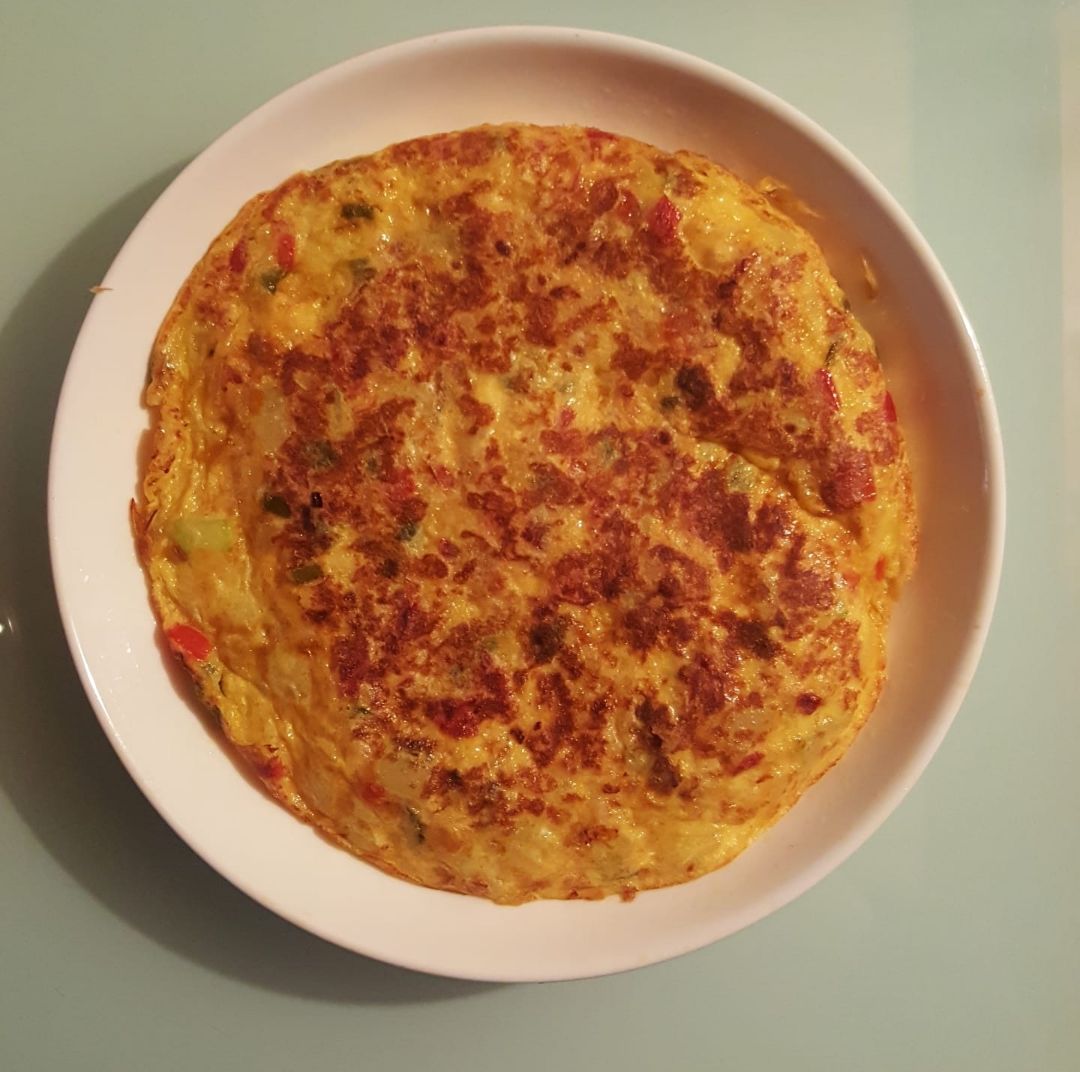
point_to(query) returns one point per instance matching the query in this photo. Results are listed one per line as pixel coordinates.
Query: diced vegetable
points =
(415, 825)
(201, 534)
(828, 387)
(664, 219)
(270, 279)
(888, 407)
(238, 257)
(358, 210)
(305, 574)
(319, 454)
(408, 531)
(187, 640)
(740, 474)
(285, 253)
(362, 270)
(276, 504)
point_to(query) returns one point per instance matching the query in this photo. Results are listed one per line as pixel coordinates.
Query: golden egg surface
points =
(529, 507)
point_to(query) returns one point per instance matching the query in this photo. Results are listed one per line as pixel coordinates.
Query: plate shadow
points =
(56, 766)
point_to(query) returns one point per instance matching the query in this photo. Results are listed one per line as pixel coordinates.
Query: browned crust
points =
(548, 279)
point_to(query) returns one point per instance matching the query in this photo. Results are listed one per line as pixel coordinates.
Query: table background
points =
(950, 941)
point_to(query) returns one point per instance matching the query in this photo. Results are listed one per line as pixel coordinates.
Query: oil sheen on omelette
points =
(528, 506)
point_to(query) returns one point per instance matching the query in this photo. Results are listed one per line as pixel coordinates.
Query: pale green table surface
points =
(950, 941)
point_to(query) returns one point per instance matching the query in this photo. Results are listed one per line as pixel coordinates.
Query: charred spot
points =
(550, 485)
(568, 443)
(656, 722)
(644, 625)
(720, 518)
(564, 292)
(693, 382)
(544, 741)
(350, 661)
(477, 413)
(409, 512)
(750, 634)
(725, 289)
(806, 703)
(389, 568)
(681, 578)
(541, 314)
(502, 247)
(499, 509)
(415, 746)
(578, 248)
(586, 577)
(705, 687)
(584, 836)
(664, 724)
(432, 566)
(787, 379)
(598, 710)
(613, 258)
(803, 587)
(533, 534)
(456, 718)
(770, 524)
(631, 360)
(409, 621)
(546, 638)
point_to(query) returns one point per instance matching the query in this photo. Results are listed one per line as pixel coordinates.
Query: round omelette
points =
(528, 506)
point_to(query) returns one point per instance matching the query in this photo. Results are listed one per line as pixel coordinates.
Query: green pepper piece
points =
(310, 571)
(362, 270)
(201, 534)
(271, 279)
(358, 210)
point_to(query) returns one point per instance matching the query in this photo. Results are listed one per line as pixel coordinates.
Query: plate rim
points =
(634, 48)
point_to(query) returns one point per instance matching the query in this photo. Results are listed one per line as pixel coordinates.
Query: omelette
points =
(528, 507)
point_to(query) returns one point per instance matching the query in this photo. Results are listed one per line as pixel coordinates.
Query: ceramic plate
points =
(547, 76)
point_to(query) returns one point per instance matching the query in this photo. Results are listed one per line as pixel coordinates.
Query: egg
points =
(529, 507)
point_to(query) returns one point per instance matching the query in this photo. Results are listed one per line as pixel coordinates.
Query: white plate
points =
(442, 83)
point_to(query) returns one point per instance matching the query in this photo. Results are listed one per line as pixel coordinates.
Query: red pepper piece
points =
(286, 252)
(187, 640)
(628, 207)
(238, 257)
(831, 395)
(888, 407)
(664, 220)
(372, 792)
(879, 568)
(747, 762)
(807, 702)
